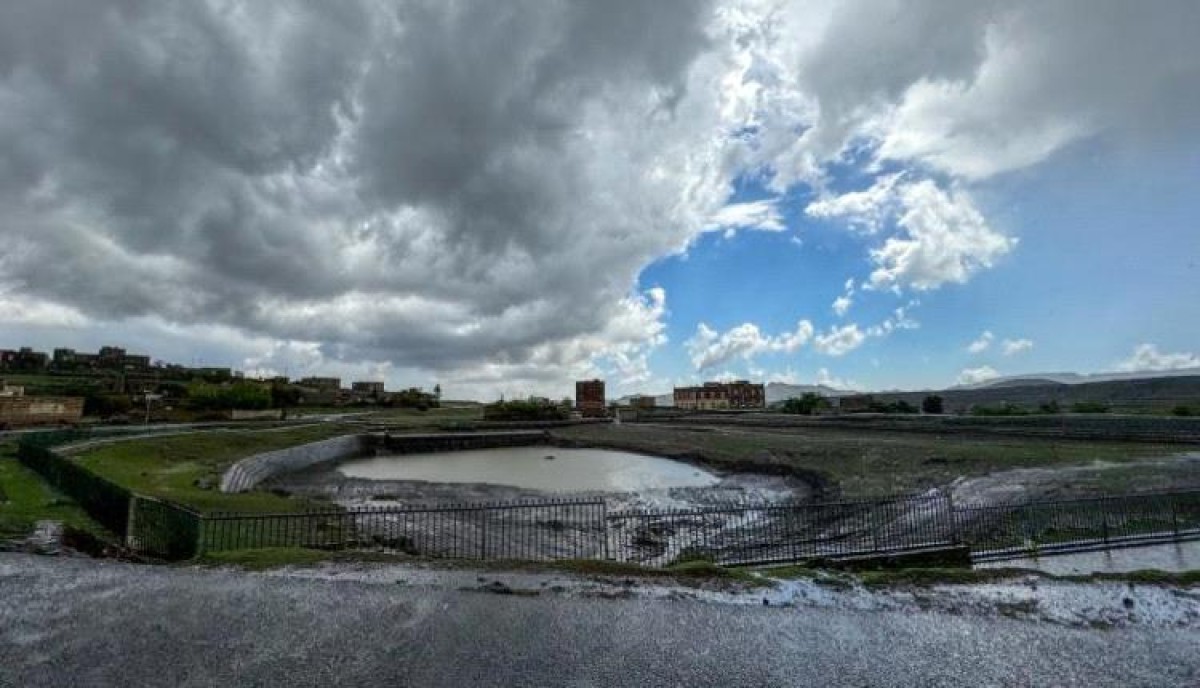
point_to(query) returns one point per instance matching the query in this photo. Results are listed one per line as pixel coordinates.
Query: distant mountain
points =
(780, 391)
(1078, 379)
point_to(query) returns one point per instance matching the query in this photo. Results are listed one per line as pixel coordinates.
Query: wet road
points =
(80, 622)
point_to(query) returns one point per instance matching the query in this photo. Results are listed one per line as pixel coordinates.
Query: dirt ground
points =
(865, 462)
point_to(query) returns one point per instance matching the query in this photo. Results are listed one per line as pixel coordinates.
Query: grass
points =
(27, 499)
(187, 468)
(863, 462)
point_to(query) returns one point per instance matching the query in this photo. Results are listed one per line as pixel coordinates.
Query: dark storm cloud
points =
(405, 179)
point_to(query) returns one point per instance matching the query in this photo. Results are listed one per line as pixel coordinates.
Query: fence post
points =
(604, 527)
(1174, 517)
(483, 534)
(955, 533)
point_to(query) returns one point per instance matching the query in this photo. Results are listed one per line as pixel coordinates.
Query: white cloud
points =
(867, 210)
(708, 348)
(762, 215)
(1011, 347)
(972, 376)
(982, 343)
(945, 239)
(839, 341)
(898, 320)
(842, 304)
(1147, 357)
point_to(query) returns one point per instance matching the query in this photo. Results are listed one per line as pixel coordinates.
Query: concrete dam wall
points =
(251, 471)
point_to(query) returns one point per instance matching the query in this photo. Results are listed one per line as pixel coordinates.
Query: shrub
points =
(806, 405)
(1089, 407)
(932, 404)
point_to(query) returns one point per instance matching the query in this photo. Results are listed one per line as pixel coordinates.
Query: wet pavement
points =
(67, 621)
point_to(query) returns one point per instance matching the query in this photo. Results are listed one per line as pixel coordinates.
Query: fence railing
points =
(584, 529)
(1006, 530)
(563, 529)
(103, 500)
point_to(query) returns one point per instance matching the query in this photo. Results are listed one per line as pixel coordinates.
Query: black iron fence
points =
(1007, 530)
(766, 533)
(103, 500)
(542, 530)
(584, 529)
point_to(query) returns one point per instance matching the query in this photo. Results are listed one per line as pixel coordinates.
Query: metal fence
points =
(583, 529)
(767, 533)
(543, 530)
(1008, 530)
(104, 500)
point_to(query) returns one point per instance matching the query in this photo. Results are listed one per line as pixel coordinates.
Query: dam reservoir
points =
(540, 467)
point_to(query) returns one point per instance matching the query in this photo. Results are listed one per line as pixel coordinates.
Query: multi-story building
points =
(333, 383)
(643, 402)
(373, 390)
(23, 359)
(109, 357)
(589, 398)
(739, 394)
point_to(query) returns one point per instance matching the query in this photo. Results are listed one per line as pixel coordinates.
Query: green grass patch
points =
(187, 468)
(27, 499)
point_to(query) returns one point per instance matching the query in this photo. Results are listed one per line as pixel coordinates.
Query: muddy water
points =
(570, 470)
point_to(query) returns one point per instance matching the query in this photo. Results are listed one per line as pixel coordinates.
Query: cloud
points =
(839, 341)
(944, 239)
(842, 304)
(708, 348)
(1147, 357)
(973, 376)
(762, 215)
(421, 184)
(867, 210)
(471, 192)
(982, 343)
(1012, 347)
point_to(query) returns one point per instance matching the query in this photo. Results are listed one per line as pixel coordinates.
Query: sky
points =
(504, 197)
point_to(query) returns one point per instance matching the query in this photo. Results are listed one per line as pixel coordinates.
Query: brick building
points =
(739, 394)
(589, 398)
(22, 411)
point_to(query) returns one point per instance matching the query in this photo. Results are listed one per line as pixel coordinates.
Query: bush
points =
(1089, 407)
(1182, 411)
(806, 405)
(1050, 407)
(1005, 409)
(523, 410)
(240, 395)
(932, 404)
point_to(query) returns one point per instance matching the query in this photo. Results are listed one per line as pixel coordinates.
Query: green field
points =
(26, 499)
(864, 462)
(187, 468)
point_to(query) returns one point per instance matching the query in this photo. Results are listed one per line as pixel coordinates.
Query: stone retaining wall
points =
(249, 472)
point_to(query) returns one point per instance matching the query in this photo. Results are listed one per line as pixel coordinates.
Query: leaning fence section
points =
(544, 530)
(767, 533)
(1002, 531)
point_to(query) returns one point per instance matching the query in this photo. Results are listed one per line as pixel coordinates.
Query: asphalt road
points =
(87, 623)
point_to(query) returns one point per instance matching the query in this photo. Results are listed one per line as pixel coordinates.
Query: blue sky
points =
(1108, 258)
(503, 198)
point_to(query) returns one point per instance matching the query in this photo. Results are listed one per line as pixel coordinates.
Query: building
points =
(373, 390)
(22, 411)
(24, 359)
(643, 402)
(739, 394)
(330, 383)
(109, 357)
(855, 403)
(589, 398)
(7, 390)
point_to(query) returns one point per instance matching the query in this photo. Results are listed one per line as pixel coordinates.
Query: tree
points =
(932, 404)
(806, 405)
(437, 391)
